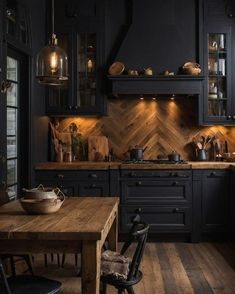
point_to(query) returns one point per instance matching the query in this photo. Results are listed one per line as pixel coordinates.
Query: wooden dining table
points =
(81, 225)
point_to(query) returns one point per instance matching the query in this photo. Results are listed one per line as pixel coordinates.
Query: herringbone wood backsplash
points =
(161, 125)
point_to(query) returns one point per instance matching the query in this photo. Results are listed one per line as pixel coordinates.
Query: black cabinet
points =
(164, 199)
(79, 26)
(211, 205)
(218, 62)
(76, 183)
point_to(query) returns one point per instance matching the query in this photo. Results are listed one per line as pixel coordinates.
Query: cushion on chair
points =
(113, 263)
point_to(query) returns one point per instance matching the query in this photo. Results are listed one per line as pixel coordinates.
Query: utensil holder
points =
(202, 155)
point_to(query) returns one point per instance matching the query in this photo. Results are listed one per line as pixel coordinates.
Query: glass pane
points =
(12, 192)
(12, 94)
(217, 69)
(11, 147)
(12, 69)
(86, 69)
(11, 122)
(11, 172)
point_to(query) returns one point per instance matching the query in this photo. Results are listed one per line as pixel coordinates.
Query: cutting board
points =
(98, 148)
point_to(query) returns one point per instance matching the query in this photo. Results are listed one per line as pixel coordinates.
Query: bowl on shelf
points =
(191, 68)
(116, 68)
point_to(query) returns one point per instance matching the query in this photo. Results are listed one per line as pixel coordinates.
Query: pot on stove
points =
(137, 153)
(174, 156)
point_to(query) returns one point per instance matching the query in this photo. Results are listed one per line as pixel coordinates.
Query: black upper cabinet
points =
(218, 45)
(79, 26)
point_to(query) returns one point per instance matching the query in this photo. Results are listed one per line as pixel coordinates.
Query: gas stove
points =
(156, 161)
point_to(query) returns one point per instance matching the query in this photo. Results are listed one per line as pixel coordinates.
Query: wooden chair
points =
(27, 284)
(138, 234)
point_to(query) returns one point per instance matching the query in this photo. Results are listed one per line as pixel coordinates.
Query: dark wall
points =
(163, 35)
(39, 123)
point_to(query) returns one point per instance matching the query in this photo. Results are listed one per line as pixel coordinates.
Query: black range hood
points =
(162, 35)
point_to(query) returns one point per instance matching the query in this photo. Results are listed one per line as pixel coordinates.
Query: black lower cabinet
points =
(212, 201)
(76, 183)
(163, 199)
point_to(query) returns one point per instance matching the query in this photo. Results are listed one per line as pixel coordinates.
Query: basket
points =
(191, 68)
(45, 206)
(41, 192)
(116, 68)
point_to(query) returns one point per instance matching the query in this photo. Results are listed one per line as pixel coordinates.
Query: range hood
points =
(162, 35)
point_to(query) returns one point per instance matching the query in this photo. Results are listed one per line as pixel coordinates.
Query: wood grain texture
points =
(98, 148)
(162, 125)
(213, 273)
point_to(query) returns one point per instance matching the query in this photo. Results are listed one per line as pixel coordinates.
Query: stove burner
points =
(157, 161)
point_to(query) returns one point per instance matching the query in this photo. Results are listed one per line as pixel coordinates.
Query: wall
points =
(162, 125)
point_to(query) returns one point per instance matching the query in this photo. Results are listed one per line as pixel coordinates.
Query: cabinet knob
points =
(138, 210)
(70, 107)
(139, 183)
(93, 185)
(175, 183)
(93, 176)
(233, 117)
(75, 107)
(213, 174)
(60, 176)
(176, 209)
(132, 174)
(229, 117)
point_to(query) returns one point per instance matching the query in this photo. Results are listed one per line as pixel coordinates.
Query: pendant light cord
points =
(52, 16)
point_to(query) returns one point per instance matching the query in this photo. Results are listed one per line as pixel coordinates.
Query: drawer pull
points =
(133, 174)
(175, 183)
(60, 176)
(139, 183)
(93, 185)
(213, 174)
(93, 176)
(176, 209)
(138, 210)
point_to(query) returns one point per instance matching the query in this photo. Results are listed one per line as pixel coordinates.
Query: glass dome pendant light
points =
(52, 61)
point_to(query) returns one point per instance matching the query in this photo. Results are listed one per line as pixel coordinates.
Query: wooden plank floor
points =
(171, 268)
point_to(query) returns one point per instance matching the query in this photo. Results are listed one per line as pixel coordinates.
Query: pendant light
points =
(52, 61)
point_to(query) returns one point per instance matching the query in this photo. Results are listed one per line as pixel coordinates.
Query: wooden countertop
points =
(87, 165)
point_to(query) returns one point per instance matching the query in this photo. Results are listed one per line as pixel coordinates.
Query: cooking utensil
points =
(137, 153)
(174, 156)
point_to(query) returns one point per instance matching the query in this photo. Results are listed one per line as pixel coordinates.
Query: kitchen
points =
(128, 104)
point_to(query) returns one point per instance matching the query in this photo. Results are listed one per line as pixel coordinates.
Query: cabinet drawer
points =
(156, 192)
(72, 175)
(160, 219)
(156, 174)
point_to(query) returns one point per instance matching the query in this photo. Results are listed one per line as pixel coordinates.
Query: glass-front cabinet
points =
(82, 93)
(218, 73)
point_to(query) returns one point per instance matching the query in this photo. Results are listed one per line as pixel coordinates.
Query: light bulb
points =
(53, 62)
(89, 65)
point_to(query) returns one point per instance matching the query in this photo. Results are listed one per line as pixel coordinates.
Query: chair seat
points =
(119, 283)
(28, 284)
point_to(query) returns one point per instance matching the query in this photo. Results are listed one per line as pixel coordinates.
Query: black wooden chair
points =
(13, 258)
(27, 284)
(138, 234)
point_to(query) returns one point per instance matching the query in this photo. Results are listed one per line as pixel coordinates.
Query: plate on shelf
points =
(116, 68)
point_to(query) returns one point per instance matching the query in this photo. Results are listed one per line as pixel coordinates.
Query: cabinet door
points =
(156, 192)
(217, 103)
(161, 219)
(215, 201)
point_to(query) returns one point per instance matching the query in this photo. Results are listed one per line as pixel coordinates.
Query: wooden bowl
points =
(45, 206)
(191, 68)
(116, 68)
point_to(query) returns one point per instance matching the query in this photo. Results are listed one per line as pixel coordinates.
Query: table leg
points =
(112, 236)
(91, 257)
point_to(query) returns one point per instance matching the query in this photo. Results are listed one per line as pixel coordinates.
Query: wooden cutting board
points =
(98, 148)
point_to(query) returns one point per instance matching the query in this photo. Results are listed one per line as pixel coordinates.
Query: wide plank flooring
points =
(171, 268)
